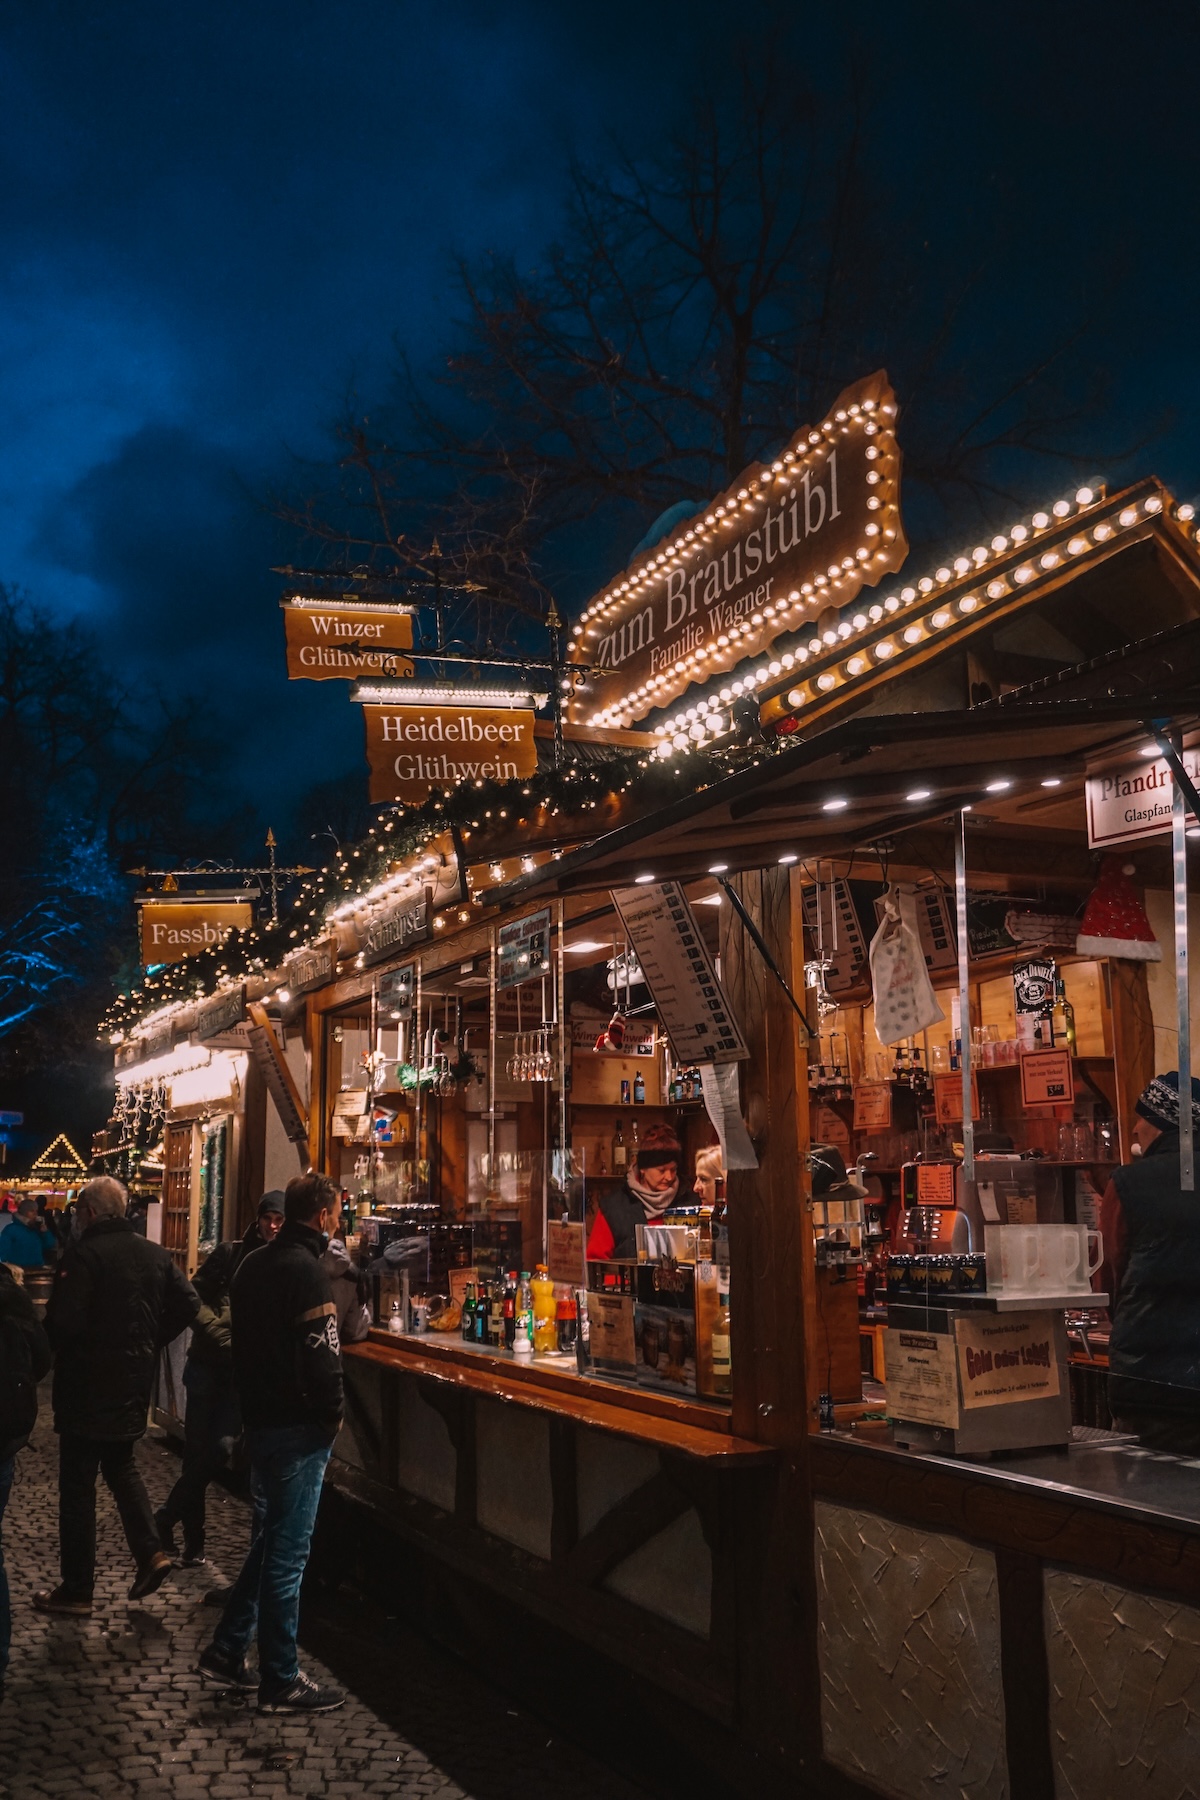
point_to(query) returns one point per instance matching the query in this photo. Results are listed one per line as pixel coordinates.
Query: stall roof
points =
(859, 775)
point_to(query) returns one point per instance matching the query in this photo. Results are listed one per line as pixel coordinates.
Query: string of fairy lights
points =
(480, 812)
(686, 758)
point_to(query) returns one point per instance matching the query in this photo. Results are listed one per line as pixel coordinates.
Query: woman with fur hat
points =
(642, 1198)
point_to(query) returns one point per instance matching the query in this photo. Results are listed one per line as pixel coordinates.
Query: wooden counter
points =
(689, 1427)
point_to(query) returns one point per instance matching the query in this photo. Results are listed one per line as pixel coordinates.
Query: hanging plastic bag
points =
(904, 998)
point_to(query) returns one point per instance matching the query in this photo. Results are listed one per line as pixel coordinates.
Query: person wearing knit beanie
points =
(1151, 1228)
(649, 1187)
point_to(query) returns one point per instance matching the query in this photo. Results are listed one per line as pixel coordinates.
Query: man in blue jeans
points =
(288, 1367)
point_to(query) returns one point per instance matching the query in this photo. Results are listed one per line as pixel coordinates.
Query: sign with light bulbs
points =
(414, 750)
(764, 559)
(345, 639)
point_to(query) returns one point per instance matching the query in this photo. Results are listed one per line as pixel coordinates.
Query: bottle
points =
(396, 1319)
(496, 1312)
(521, 1343)
(525, 1306)
(481, 1315)
(468, 1314)
(722, 1360)
(624, 1093)
(566, 1322)
(637, 1143)
(618, 1151)
(1063, 1017)
(545, 1331)
(639, 1089)
(509, 1310)
(583, 1333)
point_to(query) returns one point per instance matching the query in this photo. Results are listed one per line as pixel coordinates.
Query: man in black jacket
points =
(287, 1361)
(116, 1301)
(212, 1420)
(24, 1359)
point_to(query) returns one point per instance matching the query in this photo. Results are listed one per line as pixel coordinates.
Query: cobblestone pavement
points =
(112, 1705)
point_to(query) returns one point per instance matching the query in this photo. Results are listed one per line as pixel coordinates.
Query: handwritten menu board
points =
(948, 1098)
(679, 973)
(872, 1106)
(1047, 1078)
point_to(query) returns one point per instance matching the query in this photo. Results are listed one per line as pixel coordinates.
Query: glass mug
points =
(1049, 1259)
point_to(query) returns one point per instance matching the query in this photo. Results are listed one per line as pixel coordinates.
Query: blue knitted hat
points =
(1160, 1102)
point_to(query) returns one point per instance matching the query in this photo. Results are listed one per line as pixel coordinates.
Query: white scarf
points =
(654, 1203)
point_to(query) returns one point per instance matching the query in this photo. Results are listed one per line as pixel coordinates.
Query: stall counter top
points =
(688, 1427)
(1103, 1470)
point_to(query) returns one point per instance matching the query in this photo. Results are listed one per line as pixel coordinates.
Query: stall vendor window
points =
(521, 1109)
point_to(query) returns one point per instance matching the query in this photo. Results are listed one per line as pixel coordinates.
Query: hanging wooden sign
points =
(221, 1013)
(173, 929)
(763, 559)
(346, 639)
(407, 922)
(872, 1106)
(414, 750)
(1131, 798)
(312, 967)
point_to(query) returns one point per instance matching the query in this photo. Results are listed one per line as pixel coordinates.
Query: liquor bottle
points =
(481, 1314)
(639, 1089)
(468, 1314)
(1063, 1018)
(509, 1313)
(618, 1151)
(583, 1333)
(496, 1312)
(722, 1360)
(637, 1142)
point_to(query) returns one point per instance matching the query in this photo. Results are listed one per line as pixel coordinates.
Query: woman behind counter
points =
(642, 1198)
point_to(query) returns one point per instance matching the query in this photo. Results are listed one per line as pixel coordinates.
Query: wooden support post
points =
(1133, 1040)
(775, 1362)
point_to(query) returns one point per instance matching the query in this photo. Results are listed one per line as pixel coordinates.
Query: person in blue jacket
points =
(25, 1241)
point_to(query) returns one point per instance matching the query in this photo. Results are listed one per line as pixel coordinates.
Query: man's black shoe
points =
(226, 1671)
(193, 1555)
(304, 1696)
(151, 1576)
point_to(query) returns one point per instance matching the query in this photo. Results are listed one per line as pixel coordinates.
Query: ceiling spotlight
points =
(585, 946)
(789, 856)
(919, 794)
(643, 880)
(835, 805)
(1052, 781)
(1149, 750)
(998, 787)
(717, 868)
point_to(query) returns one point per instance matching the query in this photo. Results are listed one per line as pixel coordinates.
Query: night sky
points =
(217, 220)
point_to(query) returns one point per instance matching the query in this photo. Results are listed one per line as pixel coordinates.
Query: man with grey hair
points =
(117, 1300)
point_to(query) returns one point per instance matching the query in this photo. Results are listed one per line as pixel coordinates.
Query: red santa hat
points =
(1114, 919)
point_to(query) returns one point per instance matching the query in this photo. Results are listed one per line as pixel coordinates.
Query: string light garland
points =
(697, 746)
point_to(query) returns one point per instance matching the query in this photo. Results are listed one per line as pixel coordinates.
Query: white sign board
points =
(679, 973)
(1132, 799)
(922, 1377)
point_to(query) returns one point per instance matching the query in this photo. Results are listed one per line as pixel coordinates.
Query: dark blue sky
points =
(215, 218)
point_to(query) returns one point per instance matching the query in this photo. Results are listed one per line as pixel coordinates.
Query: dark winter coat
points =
(116, 1301)
(1154, 1356)
(24, 1359)
(613, 1236)
(286, 1352)
(212, 1333)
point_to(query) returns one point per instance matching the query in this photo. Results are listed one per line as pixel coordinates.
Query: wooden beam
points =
(773, 1326)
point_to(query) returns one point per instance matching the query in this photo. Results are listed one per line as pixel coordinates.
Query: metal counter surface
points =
(1104, 1469)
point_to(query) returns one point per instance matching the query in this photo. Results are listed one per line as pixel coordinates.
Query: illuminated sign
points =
(177, 928)
(340, 640)
(413, 750)
(781, 545)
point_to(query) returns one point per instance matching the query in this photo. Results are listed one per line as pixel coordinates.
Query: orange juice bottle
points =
(545, 1317)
